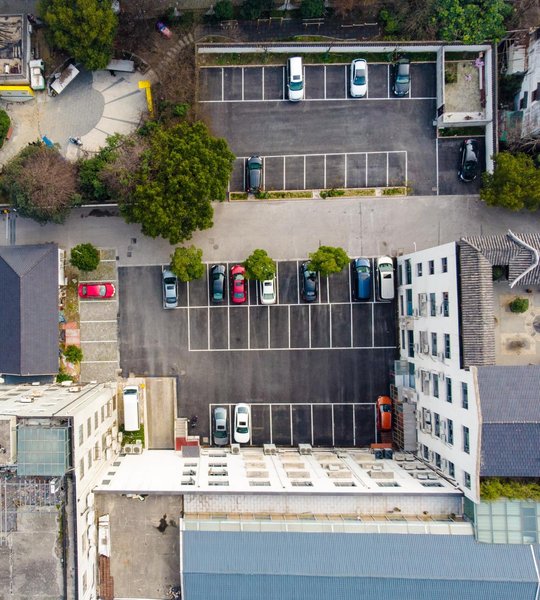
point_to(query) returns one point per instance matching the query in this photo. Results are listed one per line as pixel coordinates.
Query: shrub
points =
(260, 266)
(519, 305)
(5, 123)
(224, 10)
(332, 193)
(312, 9)
(85, 257)
(327, 260)
(513, 489)
(63, 377)
(390, 22)
(73, 354)
(186, 263)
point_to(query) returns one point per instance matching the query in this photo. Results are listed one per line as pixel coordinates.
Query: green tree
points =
(328, 260)
(253, 9)
(84, 28)
(93, 188)
(5, 123)
(472, 22)
(41, 184)
(186, 263)
(312, 9)
(223, 10)
(85, 257)
(184, 169)
(514, 183)
(259, 266)
(73, 354)
(519, 305)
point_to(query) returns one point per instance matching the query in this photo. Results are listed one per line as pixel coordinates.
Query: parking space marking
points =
(298, 286)
(309, 324)
(262, 81)
(242, 84)
(437, 162)
(284, 171)
(324, 82)
(366, 169)
(387, 170)
(222, 84)
(345, 94)
(388, 81)
(330, 324)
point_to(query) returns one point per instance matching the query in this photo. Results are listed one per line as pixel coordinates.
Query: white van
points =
(295, 79)
(131, 408)
(385, 276)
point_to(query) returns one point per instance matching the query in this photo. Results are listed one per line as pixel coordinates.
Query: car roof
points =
(167, 273)
(362, 262)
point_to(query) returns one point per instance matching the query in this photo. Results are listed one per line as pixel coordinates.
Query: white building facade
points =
(447, 410)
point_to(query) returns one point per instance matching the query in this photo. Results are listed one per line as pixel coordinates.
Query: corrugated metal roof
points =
(29, 309)
(510, 450)
(311, 565)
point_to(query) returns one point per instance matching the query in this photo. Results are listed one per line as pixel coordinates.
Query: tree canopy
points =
(472, 22)
(259, 266)
(328, 260)
(85, 257)
(186, 263)
(181, 172)
(41, 184)
(84, 28)
(514, 183)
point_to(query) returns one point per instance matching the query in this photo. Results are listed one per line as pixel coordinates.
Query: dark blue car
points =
(361, 271)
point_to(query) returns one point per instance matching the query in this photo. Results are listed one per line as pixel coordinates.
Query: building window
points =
(433, 305)
(444, 264)
(425, 451)
(89, 427)
(408, 274)
(408, 294)
(81, 435)
(467, 480)
(435, 385)
(431, 266)
(451, 470)
(434, 344)
(466, 441)
(400, 274)
(401, 304)
(445, 307)
(437, 460)
(419, 269)
(465, 396)
(108, 411)
(96, 420)
(410, 335)
(81, 468)
(448, 390)
(437, 425)
(447, 345)
(450, 429)
(89, 459)
(403, 339)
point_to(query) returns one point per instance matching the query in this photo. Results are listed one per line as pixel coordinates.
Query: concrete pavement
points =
(362, 226)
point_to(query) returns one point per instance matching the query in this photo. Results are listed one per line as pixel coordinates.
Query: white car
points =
(242, 424)
(359, 78)
(385, 275)
(267, 291)
(295, 79)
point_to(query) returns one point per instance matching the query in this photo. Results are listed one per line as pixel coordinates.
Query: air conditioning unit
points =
(137, 449)
(425, 349)
(442, 375)
(235, 448)
(269, 449)
(416, 312)
(422, 298)
(417, 347)
(426, 376)
(128, 448)
(441, 356)
(304, 448)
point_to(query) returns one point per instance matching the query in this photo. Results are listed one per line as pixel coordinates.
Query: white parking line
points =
(290, 418)
(354, 428)
(262, 84)
(366, 168)
(289, 321)
(351, 311)
(325, 171)
(229, 326)
(406, 171)
(388, 81)
(244, 175)
(270, 420)
(312, 435)
(437, 162)
(284, 171)
(330, 324)
(333, 427)
(298, 283)
(188, 325)
(304, 171)
(387, 169)
(268, 312)
(242, 84)
(309, 324)
(249, 318)
(372, 325)
(277, 282)
(345, 94)
(264, 172)
(345, 177)
(222, 84)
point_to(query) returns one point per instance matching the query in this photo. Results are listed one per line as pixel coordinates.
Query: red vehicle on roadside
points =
(238, 284)
(96, 290)
(384, 413)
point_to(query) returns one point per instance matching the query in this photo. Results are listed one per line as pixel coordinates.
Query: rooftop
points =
(14, 43)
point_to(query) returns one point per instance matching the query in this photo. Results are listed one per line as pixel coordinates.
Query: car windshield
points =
(402, 76)
(238, 294)
(385, 408)
(470, 166)
(296, 86)
(220, 433)
(218, 295)
(385, 267)
(170, 280)
(102, 290)
(268, 296)
(254, 166)
(129, 392)
(242, 429)
(238, 278)
(362, 269)
(360, 77)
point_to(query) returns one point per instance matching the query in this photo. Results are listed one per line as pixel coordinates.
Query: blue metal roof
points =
(307, 565)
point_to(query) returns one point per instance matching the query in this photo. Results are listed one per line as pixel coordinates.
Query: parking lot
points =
(335, 351)
(330, 139)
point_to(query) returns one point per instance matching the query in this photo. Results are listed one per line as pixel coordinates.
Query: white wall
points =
(531, 113)
(438, 367)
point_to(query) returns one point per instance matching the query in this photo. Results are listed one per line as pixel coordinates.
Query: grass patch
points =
(394, 191)
(513, 489)
(131, 437)
(270, 58)
(461, 131)
(285, 195)
(238, 195)
(334, 193)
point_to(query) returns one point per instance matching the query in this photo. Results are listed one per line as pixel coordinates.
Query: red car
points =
(163, 29)
(384, 413)
(96, 290)
(238, 284)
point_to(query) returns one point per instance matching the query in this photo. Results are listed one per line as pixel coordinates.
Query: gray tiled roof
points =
(29, 309)
(264, 565)
(510, 404)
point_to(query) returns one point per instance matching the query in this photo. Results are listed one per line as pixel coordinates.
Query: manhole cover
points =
(536, 324)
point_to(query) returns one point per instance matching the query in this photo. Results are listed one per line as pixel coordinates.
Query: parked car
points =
(401, 83)
(468, 160)
(385, 274)
(384, 413)
(217, 283)
(267, 291)
(238, 284)
(242, 425)
(309, 284)
(221, 433)
(170, 289)
(163, 29)
(295, 79)
(254, 174)
(359, 78)
(361, 268)
(96, 290)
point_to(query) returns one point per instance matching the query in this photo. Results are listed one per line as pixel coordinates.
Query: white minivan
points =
(295, 79)
(131, 408)
(385, 276)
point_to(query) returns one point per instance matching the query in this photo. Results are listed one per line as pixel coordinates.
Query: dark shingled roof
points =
(29, 309)
(510, 405)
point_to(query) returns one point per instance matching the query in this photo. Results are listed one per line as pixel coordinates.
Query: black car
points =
(254, 172)
(309, 284)
(402, 77)
(468, 160)
(217, 283)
